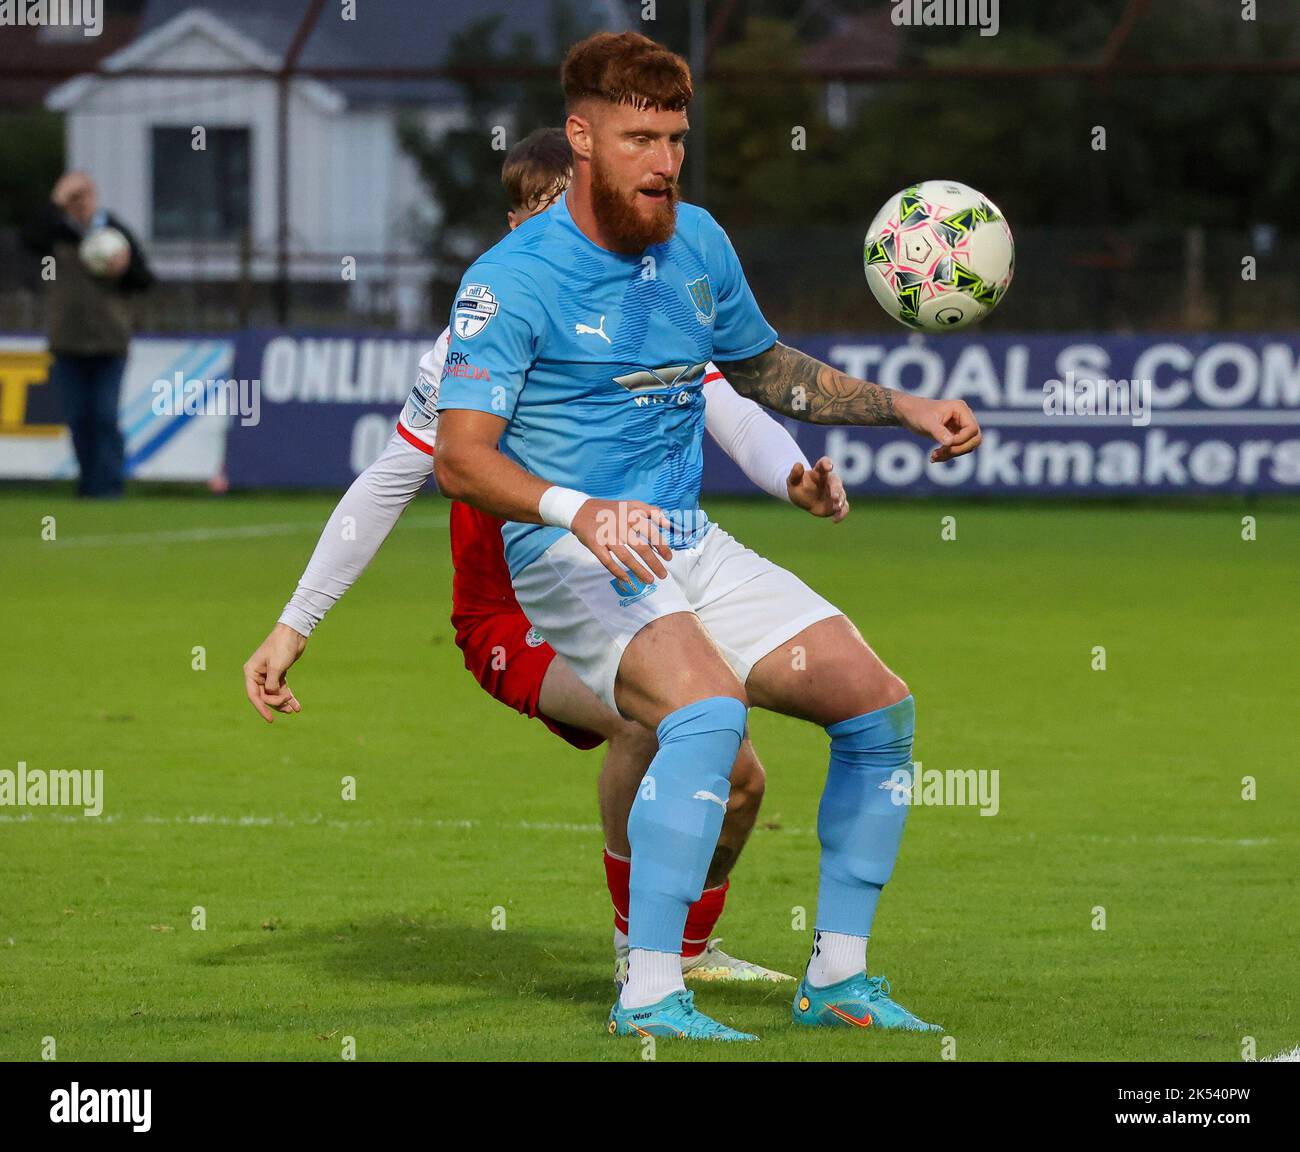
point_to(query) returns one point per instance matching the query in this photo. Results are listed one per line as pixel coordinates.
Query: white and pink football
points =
(939, 255)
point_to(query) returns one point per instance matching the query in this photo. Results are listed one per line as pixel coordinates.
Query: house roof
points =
(32, 61)
(394, 34)
(231, 48)
(866, 39)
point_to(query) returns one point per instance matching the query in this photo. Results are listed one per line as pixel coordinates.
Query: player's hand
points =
(264, 672)
(626, 536)
(818, 490)
(68, 187)
(950, 422)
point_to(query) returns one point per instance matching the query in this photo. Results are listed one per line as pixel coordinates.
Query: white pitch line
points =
(1290, 1056)
(1161, 839)
(281, 821)
(204, 535)
(320, 821)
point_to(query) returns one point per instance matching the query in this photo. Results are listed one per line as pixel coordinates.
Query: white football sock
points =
(620, 945)
(650, 977)
(836, 957)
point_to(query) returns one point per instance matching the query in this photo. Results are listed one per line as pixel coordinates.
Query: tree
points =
(462, 167)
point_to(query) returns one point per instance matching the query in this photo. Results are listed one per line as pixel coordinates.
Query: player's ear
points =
(578, 130)
(510, 219)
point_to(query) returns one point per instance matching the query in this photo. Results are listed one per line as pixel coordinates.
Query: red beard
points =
(623, 222)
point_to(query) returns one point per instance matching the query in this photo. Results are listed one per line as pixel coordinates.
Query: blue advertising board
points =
(1074, 414)
(329, 403)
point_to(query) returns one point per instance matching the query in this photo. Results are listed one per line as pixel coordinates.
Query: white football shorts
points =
(747, 604)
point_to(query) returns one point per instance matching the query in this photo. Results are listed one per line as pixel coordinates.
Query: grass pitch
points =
(373, 918)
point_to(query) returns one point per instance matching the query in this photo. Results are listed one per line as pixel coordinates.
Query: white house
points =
(352, 191)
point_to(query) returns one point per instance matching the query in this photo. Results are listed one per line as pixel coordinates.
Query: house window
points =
(200, 194)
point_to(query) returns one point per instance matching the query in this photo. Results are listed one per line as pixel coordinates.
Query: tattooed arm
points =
(789, 381)
(795, 384)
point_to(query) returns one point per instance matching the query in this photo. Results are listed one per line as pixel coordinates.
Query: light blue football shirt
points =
(596, 360)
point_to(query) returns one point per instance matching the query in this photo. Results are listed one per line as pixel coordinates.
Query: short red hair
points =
(626, 68)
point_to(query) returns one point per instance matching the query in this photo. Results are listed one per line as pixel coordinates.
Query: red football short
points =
(506, 656)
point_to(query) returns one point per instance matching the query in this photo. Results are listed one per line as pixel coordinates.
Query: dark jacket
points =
(86, 315)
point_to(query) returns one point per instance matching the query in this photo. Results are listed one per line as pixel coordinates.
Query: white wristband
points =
(558, 506)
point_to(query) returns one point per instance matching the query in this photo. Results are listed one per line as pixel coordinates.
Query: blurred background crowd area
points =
(350, 167)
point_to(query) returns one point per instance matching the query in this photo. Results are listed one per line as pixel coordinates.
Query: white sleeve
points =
(744, 431)
(359, 525)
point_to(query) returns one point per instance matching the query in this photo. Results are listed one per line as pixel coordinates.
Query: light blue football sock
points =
(859, 822)
(676, 817)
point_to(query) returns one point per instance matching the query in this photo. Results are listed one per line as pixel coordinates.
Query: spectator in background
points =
(88, 320)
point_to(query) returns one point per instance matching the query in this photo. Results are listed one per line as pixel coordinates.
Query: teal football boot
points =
(674, 1016)
(859, 1002)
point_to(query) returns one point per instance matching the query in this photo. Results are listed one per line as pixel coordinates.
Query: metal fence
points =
(309, 205)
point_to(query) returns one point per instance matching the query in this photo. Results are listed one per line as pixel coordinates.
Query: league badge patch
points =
(475, 307)
(422, 404)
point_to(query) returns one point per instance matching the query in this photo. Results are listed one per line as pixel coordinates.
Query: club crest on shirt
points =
(533, 638)
(701, 292)
(474, 307)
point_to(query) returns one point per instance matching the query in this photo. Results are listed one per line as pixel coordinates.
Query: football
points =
(939, 255)
(99, 249)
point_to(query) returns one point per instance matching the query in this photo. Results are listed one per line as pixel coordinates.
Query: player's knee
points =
(893, 691)
(698, 743)
(878, 687)
(714, 690)
(713, 714)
